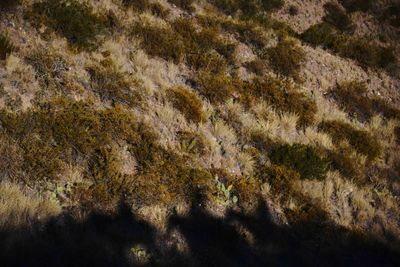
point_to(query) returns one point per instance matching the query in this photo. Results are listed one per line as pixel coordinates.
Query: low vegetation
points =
(353, 98)
(360, 140)
(9, 4)
(111, 84)
(301, 158)
(338, 18)
(188, 103)
(287, 58)
(74, 20)
(362, 50)
(282, 95)
(6, 46)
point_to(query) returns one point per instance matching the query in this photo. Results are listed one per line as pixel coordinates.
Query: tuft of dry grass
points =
(19, 209)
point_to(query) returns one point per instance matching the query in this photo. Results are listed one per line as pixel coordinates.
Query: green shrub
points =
(282, 95)
(188, 103)
(216, 87)
(6, 46)
(287, 58)
(337, 17)
(301, 158)
(75, 20)
(360, 140)
(352, 97)
(111, 84)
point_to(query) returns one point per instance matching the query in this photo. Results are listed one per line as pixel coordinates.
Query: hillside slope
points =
(199, 133)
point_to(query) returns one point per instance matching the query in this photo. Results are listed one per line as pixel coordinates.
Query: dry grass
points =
(20, 209)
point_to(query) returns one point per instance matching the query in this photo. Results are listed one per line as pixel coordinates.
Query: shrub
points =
(287, 58)
(6, 46)
(360, 140)
(301, 158)
(216, 87)
(111, 84)
(282, 95)
(337, 17)
(75, 20)
(188, 103)
(352, 96)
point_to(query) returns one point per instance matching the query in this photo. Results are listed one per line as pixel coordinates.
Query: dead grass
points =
(20, 209)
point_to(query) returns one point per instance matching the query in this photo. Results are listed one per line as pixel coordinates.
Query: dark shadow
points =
(238, 239)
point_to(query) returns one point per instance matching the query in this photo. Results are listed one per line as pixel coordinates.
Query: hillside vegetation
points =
(199, 133)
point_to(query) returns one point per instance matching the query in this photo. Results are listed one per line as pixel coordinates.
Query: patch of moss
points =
(287, 58)
(360, 140)
(74, 20)
(188, 103)
(111, 84)
(337, 17)
(6, 46)
(352, 96)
